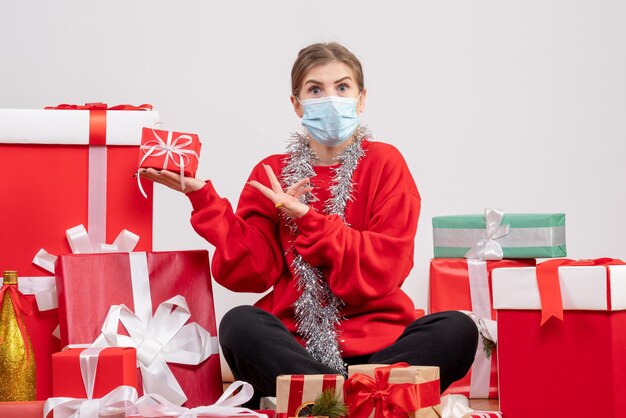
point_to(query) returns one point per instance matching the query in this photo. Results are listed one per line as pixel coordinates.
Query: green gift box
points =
(496, 235)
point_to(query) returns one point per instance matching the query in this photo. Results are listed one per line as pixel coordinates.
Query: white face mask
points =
(330, 120)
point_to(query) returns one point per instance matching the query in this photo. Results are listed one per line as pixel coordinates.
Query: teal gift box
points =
(496, 235)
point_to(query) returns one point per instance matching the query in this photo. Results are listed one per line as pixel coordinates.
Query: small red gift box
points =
(483, 414)
(295, 391)
(173, 151)
(461, 284)
(575, 366)
(80, 164)
(157, 289)
(30, 409)
(113, 367)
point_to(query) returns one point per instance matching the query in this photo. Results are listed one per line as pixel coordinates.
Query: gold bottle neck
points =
(9, 277)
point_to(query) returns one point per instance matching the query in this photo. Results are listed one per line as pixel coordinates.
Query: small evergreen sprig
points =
(327, 404)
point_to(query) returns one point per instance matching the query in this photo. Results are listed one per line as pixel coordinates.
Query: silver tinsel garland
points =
(317, 308)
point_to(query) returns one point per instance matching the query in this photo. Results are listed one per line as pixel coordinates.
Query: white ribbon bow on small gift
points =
(157, 147)
(121, 399)
(159, 339)
(488, 248)
(154, 405)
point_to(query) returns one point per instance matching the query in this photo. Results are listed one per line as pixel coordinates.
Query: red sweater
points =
(364, 263)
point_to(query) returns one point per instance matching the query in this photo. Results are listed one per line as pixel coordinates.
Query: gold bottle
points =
(17, 360)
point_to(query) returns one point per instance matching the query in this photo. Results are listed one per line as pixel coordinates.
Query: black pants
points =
(258, 348)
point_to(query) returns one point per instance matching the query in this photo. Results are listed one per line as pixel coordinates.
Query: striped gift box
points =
(483, 414)
(295, 391)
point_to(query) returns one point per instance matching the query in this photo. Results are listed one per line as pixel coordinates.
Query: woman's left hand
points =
(287, 201)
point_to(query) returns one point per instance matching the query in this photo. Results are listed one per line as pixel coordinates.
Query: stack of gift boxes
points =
(79, 232)
(138, 330)
(552, 329)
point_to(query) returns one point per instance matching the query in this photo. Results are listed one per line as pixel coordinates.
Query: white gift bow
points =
(487, 328)
(157, 147)
(488, 248)
(154, 405)
(121, 399)
(162, 339)
(80, 243)
(454, 406)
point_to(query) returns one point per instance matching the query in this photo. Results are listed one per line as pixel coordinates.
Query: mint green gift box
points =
(536, 235)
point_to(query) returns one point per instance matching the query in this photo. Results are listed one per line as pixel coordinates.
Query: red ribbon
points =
(550, 289)
(20, 307)
(363, 394)
(99, 106)
(98, 117)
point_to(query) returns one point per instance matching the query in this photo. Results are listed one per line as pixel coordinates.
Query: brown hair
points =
(321, 54)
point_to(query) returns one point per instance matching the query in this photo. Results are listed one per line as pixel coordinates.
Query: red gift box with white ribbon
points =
(461, 284)
(177, 152)
(64, 167)
(161, 303)
(561, 338)
(92, 372)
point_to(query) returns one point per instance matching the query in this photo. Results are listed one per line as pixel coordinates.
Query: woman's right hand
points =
(171, 180)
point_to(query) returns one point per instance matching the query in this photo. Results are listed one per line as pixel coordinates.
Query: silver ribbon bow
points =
(488, 248)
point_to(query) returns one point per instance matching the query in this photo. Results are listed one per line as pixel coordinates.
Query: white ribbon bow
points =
(455, 406)
(487, 328)
(154, 405)
(488, 248)
(157, 147)
(80, 243)
(120, 400)
(161, 339)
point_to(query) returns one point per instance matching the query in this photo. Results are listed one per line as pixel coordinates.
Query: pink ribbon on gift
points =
(173, 146)
(155, 405)
(162, 338)
(121, 399)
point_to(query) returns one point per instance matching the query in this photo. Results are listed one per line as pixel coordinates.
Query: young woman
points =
(329, 226)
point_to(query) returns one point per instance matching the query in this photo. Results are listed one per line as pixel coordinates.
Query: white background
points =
(519, 105)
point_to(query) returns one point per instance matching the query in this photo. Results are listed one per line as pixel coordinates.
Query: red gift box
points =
(30, 409)
(575, 366)
(114, 367)
(483, 414)
(147, 284)
(173, 151)
(71, 181)
(460, 284)
(294, 391)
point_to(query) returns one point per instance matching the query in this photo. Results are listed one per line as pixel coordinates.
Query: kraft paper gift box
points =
(465, 285)
(64, 168)
(294, 392)
(162, 297)
(514, 235)
(409, 391)
(112, 367)
(574, 367)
